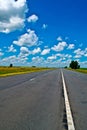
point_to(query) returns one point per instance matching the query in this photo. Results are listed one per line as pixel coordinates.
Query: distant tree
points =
(11, 65)
(34, 66)
(74, 65)
(65, 67)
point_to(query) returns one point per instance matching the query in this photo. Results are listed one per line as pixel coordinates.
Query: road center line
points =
(70, 122)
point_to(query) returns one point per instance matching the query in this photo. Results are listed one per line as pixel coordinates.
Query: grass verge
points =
(9, 71)
(82, 70)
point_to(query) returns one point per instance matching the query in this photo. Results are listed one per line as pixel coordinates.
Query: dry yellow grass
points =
(6, 71)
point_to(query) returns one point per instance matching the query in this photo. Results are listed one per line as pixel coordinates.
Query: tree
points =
(11, 65)
(34, 66)
(65, 67)
(74, 65)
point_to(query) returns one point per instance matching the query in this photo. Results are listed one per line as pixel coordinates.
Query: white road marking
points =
(67, 105)
(32, 79)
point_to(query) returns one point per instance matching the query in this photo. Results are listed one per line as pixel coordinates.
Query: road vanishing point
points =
(47, 100)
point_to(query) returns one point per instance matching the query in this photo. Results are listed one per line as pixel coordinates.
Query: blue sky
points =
(43, 32)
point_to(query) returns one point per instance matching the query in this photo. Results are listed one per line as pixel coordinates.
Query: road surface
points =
(36, 101)
(77, 91)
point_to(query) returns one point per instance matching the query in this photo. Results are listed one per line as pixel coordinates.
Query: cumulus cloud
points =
(12, 15)
(79, 53)
(1, 53)
(85, 54)
(28, 39)
(64, 55)
(11, 49)
(60, 46)
(36, 50)
(45, 51)
(10, 59)
(24, 50)
(59, 38)
(83, 64)
(71, 46)
(33, 18)
(37, 61)
(68, 56)
(53, 57)
(24, 53)
(44, 26)
(17, 60)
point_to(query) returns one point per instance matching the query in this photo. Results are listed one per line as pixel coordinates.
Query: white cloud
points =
(68, 56)
(37, 61)
(59, 38)
(11, 49)
(45, 51)
(60, 46)
(1, 53)
(83, 64)
(14, 23)
(64, 56)
(33, 18)
(71, 46)
(85, 55)
(15, 60)
(53, 57)
(36, 50)
(10, 59)
(27, 39)
(59, 55)
(23, 55)
(79, 53)
(24, 50)
(86, 49)
(85, 52)
(12, 15)
(78, 56)
(44, 26)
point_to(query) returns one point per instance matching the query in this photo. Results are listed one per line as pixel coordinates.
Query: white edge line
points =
(70, 121)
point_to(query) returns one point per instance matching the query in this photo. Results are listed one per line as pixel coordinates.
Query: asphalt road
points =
(77, 90)
(35, 101)
(31, 101)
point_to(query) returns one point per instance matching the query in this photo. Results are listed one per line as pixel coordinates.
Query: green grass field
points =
(7, 71)
(82, 70)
